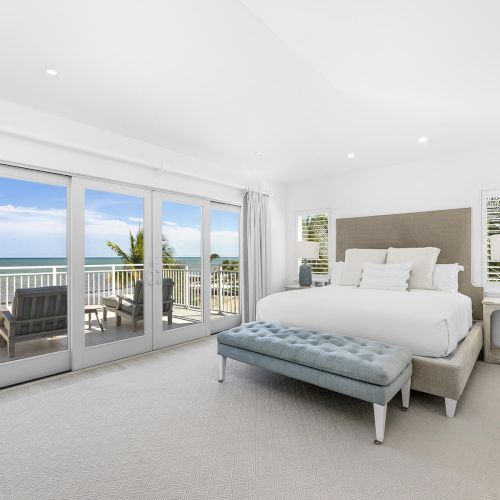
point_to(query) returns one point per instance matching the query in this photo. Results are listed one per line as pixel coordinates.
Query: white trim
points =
(310, 212)
(488, 285)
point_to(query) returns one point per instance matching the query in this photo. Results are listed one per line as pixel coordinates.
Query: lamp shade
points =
(495, 247)
(306, 250)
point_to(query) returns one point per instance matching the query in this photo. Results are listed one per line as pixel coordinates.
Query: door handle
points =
(158, 277)
(150, 281)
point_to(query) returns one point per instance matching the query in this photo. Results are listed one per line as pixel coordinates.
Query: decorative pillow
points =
(386, 276)
(423, 262)
(338, 269)
(355, 259)
(446, 277)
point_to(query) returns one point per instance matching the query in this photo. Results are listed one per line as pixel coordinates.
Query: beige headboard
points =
(449, 230)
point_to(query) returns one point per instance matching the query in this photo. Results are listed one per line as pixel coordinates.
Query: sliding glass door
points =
(34, 281)
(113, 252)
(224, 266)
(92, 271)
(180, 269)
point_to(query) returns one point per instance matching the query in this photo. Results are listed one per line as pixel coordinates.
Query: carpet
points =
(160, 426)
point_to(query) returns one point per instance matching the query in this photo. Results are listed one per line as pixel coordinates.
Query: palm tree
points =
(135, 253)
(214, 256)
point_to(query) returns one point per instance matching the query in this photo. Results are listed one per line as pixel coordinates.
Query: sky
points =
(33, 223)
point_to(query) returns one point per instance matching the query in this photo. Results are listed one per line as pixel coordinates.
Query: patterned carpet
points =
(160, 426)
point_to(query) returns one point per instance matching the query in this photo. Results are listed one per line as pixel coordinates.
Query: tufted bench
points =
(363, 369)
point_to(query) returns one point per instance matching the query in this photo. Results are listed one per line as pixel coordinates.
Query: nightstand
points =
(491, 353)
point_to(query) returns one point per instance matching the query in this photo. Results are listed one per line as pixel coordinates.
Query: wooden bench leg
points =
(451, 406)
(380, 413)
(222, 368)
(405, 393)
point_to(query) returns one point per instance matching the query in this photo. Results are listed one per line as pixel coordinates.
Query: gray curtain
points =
(255, 251)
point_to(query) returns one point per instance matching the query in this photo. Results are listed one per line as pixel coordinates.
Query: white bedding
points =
(429, 323)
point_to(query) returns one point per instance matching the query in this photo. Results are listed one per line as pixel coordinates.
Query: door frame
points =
(77, 356)
(82, 356)
(227, 322)
(43, 365)
(166, 338)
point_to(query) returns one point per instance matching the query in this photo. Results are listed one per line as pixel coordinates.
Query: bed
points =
(443, 330)
(428, 323)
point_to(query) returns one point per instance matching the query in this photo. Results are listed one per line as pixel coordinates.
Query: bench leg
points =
(405, 392)
(380, 413)
(222, 368)
(451, 406)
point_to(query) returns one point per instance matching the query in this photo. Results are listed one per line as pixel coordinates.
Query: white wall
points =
(441, 183)
(25, 134)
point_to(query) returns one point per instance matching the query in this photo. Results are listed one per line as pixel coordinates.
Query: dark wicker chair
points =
(36, 313)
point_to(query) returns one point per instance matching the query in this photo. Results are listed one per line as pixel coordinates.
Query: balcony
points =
(108, 280)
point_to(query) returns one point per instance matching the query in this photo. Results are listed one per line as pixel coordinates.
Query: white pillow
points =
(355, 259)
(386, 276)
(338, 269)
(446, 277)
(423, 262)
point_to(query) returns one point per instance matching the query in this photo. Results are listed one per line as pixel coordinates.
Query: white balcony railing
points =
(105, 280)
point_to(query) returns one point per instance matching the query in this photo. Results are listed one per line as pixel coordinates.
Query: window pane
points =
(492, 228)
(33, 269)
(114, 267)
(315, 228)
(182, 278)
(225, 263)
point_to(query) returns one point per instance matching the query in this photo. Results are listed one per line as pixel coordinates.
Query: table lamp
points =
(306, 250)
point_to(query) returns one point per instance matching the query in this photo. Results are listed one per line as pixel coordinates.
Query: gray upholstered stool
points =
(363, 369)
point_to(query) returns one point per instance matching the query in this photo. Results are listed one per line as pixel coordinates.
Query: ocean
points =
(193, 262)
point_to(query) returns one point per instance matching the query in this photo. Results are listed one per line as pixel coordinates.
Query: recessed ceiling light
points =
(259, 153)
(351, 155)
(422, 140)
(51, 73)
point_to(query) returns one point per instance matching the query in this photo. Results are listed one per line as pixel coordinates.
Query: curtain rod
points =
(160, 169)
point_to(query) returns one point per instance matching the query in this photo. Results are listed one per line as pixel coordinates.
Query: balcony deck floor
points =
(181, 317)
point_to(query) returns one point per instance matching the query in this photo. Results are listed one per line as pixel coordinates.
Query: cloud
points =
(186, 241)
(34, 232)
(225, 243)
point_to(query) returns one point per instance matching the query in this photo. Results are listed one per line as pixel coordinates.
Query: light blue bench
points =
(366, 370)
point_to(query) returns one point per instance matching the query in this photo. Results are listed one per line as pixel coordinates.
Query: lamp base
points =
(305, 275)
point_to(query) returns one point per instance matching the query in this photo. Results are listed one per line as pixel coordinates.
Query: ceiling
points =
(303, 82)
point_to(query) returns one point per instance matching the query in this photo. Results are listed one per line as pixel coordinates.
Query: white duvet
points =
(429, 323)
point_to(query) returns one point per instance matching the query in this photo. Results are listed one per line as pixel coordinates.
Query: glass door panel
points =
(180, 294)
(115, 294)
(114, 267)
(224, 266)
(33, 275)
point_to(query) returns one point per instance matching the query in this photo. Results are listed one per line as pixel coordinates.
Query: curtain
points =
(255, 251)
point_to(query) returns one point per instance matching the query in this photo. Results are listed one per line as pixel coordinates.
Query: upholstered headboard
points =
(449, 230)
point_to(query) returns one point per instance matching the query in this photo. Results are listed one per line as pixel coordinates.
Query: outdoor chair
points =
(133, 307)
(36, 313)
